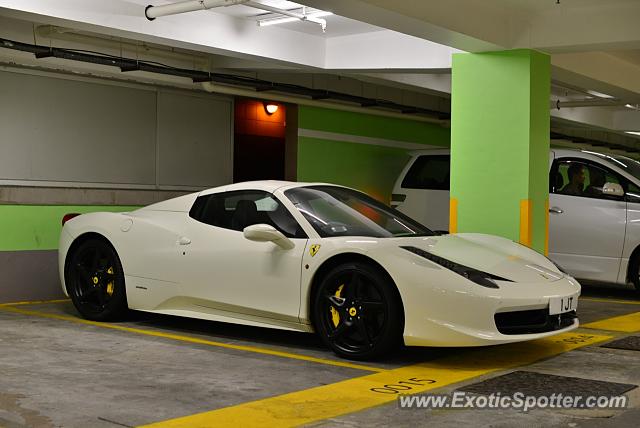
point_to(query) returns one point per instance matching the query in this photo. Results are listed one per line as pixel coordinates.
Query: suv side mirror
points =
(267, 233)
(612, 189)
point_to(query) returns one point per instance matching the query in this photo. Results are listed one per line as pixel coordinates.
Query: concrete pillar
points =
(500, 145)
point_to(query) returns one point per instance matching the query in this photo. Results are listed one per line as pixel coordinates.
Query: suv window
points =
(428, 172)
(632, 193)
(582, 178)
(239, 209)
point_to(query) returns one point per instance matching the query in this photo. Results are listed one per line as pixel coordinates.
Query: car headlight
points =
(560, 268)
(481, 278)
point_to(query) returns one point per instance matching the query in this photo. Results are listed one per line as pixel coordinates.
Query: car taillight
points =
(68, 217)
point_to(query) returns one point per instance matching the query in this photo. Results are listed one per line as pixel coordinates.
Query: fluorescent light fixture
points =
(277, 21)
(632, 107)
(320, 14)
(633, 132)
(599, 94)
(312, 17)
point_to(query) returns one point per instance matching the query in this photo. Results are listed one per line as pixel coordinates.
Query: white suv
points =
(594, 218)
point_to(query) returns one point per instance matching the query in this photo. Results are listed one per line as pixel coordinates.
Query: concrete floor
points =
(56, 372)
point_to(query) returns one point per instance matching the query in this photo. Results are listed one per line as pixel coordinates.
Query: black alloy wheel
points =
(358, 312)
(95, 281)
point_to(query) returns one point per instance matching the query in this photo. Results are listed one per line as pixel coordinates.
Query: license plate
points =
(560, 305)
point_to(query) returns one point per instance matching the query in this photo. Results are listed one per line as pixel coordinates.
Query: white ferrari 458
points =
(313, 257)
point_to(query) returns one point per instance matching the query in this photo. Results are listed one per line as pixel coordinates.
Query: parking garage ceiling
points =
(403, 45)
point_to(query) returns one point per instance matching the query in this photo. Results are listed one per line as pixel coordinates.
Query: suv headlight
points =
(481, 278)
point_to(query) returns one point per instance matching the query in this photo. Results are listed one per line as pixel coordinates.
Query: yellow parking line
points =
(624, 302)
(34, 302)
(190, 339)
(353, 395)
(626, 323)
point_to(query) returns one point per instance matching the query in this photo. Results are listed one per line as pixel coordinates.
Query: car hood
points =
(491, 254)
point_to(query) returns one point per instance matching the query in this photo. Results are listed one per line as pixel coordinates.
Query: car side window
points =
(632, 193)
(428, 172)
(585, 179)
(238, 209)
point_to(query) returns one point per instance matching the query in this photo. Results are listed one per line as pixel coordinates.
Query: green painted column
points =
(500, 145)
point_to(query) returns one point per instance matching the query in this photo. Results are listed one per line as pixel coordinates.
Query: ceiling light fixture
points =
(599, 94)
(631, 106)
(315, 17)
(270, 108)
(633, 132)
(276, 21)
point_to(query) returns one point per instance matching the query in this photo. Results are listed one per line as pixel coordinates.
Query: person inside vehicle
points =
(596, 182)
(575, 187)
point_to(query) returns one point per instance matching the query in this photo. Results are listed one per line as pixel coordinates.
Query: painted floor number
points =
(403, 386)
(577, 339)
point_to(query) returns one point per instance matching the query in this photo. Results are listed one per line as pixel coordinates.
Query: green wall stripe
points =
(369, 125)
(358, 139)
(371, 169)
(37, 227)
(372, 160)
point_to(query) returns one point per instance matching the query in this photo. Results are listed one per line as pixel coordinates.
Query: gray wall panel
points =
(89, 132)
(24, 195)
(29, 275)
(65, 130)
(195, 140)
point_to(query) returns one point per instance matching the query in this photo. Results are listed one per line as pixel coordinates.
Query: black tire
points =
(634, 271)
(95, 281)
(357, 311)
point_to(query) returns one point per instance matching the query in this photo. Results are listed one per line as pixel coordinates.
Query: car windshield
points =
(629, 165)
(337, 211)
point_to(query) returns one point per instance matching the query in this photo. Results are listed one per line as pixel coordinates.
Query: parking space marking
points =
(597, 299)
(189, 339)
(625, 323)
(35, 302)
(353, 395)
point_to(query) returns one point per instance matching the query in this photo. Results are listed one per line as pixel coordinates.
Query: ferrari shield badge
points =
(313, 250)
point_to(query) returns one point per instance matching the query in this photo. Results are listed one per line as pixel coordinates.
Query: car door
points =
(632, 234)
(227, 272)
(586, 227)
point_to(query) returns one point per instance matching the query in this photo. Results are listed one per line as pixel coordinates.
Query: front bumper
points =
(532, 321)
(470, 315)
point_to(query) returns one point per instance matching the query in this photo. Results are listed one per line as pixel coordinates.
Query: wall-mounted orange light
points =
(270, 108)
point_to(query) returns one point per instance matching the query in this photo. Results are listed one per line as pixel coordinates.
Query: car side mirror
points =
(267, 233)
(612, 189)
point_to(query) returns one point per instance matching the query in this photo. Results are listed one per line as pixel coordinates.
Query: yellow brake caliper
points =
(335, 316)
(110, 284)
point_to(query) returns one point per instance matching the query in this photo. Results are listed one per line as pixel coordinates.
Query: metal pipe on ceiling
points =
(252, 85)
(248, 93)
(153, 12)
(595, 102)
(198, 59)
